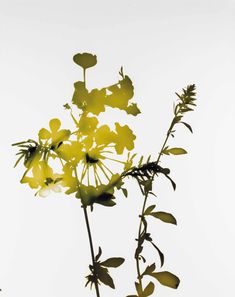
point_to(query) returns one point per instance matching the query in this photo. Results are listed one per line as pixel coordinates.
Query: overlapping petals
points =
(85, 155)
(43, 178)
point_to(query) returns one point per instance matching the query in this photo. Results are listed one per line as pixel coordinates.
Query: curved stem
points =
(92, 251)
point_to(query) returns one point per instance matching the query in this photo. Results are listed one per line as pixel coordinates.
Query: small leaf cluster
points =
(99, 270)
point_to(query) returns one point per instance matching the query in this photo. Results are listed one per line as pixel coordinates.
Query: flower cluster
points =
(84, 154)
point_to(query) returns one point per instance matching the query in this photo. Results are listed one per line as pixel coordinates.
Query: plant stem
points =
(145, 202)
(92, 251)
(84, 77)
(90, 242)
(139, 233)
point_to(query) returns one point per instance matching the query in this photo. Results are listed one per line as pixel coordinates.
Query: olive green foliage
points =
(144, 175)
(84, 154)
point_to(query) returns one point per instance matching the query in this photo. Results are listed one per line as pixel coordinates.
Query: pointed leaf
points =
(138, 289)
(167, 278)
(149, 209)
(149, 269)
(164, 216)
(174, 151)
(172, 182)
(140, 161)
(188, 126)
(125, 192)
(161, 255)
(104, 277)
(149, 289)
(99, 254)
(113, 262)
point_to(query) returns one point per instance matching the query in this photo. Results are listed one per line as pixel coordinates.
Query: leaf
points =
(105, 199)
(149, 210)
(109, 203)
(174, 151)
(149, 269)
(125, 192)
(177, 119)
(188, 126)
(138, 289)
(167, 278)
(147, 184)
(133, 109)
(149, 157)
(164, 216)
(149, 289)
(99, 254)
(140, 161)
(172, 182)
(113, 262)
(161, 255)
(104, 277)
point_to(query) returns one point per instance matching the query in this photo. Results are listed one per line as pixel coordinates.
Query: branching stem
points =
(145, 194)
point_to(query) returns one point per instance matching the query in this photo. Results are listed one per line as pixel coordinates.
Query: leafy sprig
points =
(144, 175)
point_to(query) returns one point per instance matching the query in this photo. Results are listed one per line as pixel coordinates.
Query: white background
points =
(163, 46)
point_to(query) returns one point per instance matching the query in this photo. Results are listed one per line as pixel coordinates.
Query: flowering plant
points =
(85, 155)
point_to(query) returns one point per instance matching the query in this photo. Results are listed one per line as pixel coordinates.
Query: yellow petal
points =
(87, 124)
(104, 135)
(96, 101)
(60, 136)
(85, 60)
(54, 125)
(44, 134)
(125, 138)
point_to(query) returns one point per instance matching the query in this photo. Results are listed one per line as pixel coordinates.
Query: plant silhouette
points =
(85, 155)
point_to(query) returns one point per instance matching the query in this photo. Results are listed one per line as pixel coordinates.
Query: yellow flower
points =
(86, 155)
(120, 96)
(104, 136)
(86, 124)
(93, 102)
(68, 179)
(125, 138)
(43, 178)
(71, 152)
(55, 135)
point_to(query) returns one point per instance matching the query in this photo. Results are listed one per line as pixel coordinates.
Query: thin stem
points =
(92, 251)
(84, 76)
(90, 243)
(145, 202)
(139, 234)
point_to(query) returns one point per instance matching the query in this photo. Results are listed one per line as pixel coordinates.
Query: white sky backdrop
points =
(163, 46)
